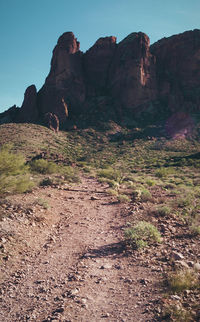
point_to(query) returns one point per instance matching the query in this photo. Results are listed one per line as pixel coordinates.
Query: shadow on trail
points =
(115, 250)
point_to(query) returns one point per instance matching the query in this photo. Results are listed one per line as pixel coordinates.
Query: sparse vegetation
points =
(43, 166)
(145, 195)
(177, 313)
(142, 234)
(183, 280)
(162, 211)
(123, 198)
(14, 177)
(157, 176)
(42, 202)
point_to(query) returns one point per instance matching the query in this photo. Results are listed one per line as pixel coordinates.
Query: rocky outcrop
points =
(64, 86)
(52, 121)
(97, 61)
(110, 79)
(178, 70)
(132, 77)
(10, 115)
(29, 110)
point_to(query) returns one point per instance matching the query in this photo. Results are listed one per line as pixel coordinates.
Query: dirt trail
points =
(82, 272)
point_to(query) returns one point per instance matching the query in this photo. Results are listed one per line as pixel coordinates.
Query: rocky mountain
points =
(126, 80)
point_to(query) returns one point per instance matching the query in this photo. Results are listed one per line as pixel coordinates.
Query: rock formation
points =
(29, 110)
(178, 70)
(64, 86)
(130, 78)
(52, 121)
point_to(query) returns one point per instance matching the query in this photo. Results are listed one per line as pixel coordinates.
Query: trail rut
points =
(82, 272)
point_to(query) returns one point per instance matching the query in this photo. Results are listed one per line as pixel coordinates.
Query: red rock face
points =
(178, 70)
(132, 76)
(65, 81)
(97, 61)
(129, 77)
(29, 110)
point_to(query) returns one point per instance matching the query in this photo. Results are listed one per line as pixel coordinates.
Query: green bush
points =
(195, 229)
(110, 174)
(11, 164)
(162, 211)
(69, 174)
(123, 198)
(150, 182)
(112, 192)
(163, 172)
(14, 177)
(43, 166)
(43, 203)
(47, 182)
(145, 195)
(141, 234)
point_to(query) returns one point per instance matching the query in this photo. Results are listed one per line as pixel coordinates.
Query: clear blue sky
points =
(29, 30)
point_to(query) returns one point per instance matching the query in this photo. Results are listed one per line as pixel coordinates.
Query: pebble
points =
(94, 198)
(74, 291)
(106, 266)
(177, 256)
(197, 266)
(175, 297)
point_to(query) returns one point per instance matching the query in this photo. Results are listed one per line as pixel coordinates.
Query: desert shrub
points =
(145, 195)
(70, 174)
(130, 184)
(110, 174)
(150, 182)
(42, 202)
(112, 192)
(184, 201)
(48, 181)
(163, 172)
(173, 312)
(87, 169)
(14, 177)
(195, 229)
(183, 280)
(142, 234)
(162, 211)
(110, 182)
(43, 166)
(123, 198)
(10, 163)
(15, 184)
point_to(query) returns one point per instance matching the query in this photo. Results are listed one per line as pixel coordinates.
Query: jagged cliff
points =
(115, 80)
